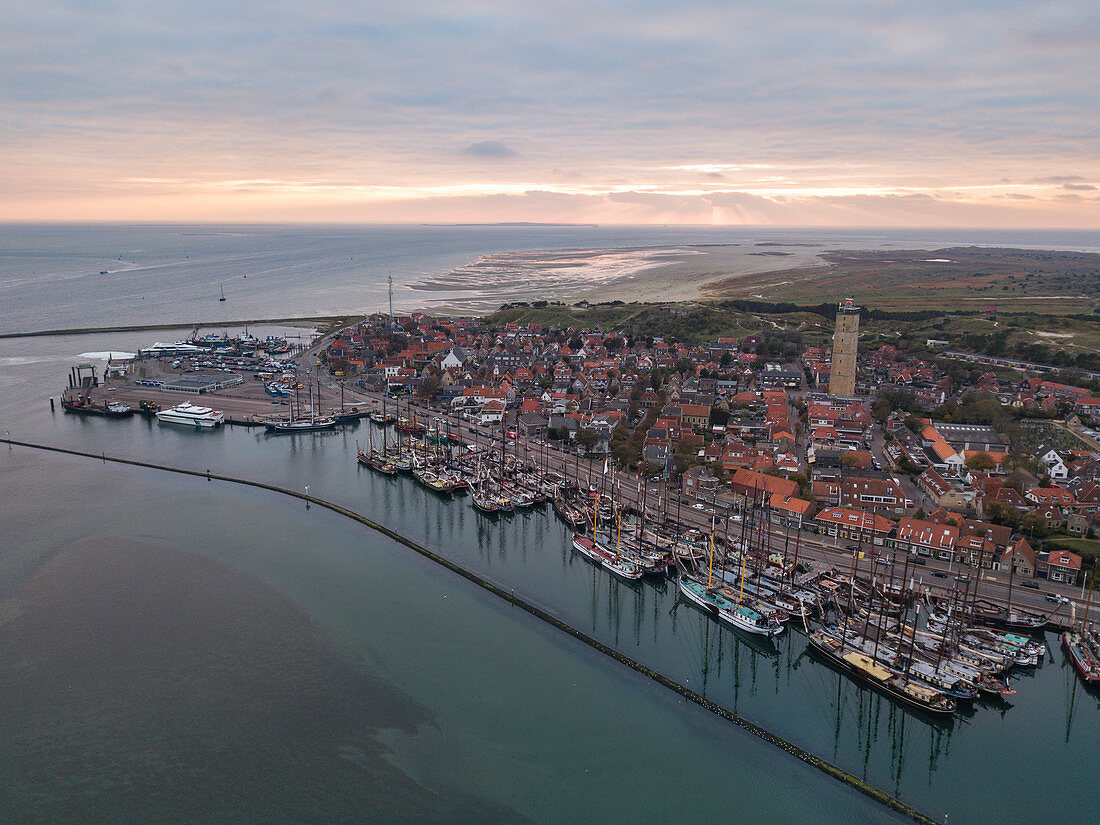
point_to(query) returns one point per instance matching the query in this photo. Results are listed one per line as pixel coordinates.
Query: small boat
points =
(348, 416)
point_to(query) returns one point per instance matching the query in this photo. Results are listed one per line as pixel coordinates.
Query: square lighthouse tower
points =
(842, 370)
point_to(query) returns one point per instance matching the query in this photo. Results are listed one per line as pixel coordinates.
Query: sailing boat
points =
(302, 424)
(222, 288)
(1083, 646)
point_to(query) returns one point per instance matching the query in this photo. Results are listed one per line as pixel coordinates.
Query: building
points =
(842, 371)
(1059, 566)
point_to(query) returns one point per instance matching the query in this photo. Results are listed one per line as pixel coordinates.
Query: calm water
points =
(50, 276)
(173, 649)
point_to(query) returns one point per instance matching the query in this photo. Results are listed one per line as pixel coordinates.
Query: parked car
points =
(1031, 584)
(939, 574)
(697, 506)
(1054, 597)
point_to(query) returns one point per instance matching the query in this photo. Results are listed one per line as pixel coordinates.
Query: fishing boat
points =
(605, 558)
(191, 415)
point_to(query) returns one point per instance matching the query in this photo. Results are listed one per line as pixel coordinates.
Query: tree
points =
(726, 359)
(587, 439)
(981, 462)
(1034, 525)
(719, 417)
(428, 386)
(613, 344)
(1000, 513)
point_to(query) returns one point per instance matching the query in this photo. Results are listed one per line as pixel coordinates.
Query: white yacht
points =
(192, 415)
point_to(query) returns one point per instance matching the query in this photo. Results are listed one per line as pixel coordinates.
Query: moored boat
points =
(893, 684)
(191, 415)
(1086, 664)
(602, 556)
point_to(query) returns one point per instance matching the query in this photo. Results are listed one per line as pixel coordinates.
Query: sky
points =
(788, 112)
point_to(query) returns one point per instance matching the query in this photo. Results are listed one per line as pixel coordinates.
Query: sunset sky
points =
(794, 113)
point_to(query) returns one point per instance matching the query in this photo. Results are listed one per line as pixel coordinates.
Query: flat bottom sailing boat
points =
(726, 610)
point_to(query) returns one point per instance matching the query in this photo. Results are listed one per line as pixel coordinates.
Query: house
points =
(532, 425)
(1021, 557)
(926, 538)
(791, 511)
(1056, 465)
(877, 494)
(942, 492)
(750, 483)
(1056, 496)
(854, 525)
(699, 482)
(1059, 566)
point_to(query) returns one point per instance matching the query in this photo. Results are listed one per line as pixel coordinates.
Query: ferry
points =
(191, 415)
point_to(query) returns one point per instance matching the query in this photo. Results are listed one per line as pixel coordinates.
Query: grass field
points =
(1015, 280)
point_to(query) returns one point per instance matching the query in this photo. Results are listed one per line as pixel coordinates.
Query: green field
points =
(959, 278)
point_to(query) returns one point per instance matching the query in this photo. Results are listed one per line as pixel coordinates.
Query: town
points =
(984, 470)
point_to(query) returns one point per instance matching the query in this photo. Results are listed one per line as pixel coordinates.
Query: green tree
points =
(1033, 524)
(586, 439)
(981, 462)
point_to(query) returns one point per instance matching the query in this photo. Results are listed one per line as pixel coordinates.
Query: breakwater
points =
(681, 689)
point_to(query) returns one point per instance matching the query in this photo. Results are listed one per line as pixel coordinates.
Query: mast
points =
(1092, 582)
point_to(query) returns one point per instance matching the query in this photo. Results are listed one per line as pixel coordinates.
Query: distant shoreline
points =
(303, 322)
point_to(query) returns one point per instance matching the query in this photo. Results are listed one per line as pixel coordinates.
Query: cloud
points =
(490, 149)
(1079, 187)
(692, 97)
